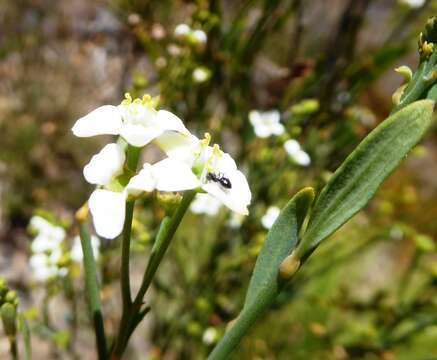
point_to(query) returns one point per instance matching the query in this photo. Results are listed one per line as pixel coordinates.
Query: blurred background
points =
(324, 68)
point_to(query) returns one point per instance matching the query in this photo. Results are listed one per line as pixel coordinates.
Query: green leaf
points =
(359, 177)
(23, 327)
(281, 240)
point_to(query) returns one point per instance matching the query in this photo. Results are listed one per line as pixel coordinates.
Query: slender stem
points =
(93, 291)
(133, 315)
(13, 349)
(165, 234)
(125, 249)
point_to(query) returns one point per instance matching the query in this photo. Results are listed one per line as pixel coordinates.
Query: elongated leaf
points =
(23, 327)
(281, 240)
(359, 177)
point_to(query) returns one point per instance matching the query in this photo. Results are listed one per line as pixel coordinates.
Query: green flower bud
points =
(8, 314)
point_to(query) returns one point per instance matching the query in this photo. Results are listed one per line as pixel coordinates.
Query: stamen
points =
(127, 99)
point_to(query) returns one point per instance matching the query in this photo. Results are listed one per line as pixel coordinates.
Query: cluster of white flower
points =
(266, 124)
(184, 31)
(46, 250)
(190, 164)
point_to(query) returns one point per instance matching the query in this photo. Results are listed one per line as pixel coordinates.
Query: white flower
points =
(266, 124)
(105, 165)
(292, 147)
(182, 30)
(205, 204)
(44, 266)
(199, 36)
(137, 121)
(235, 221)
(270, 217)
(77, 253)
(413, 3)
(210, 336)
(49, 236)
(201, 74)
(192, 163)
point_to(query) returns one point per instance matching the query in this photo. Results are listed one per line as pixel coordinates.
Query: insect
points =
(220, 178)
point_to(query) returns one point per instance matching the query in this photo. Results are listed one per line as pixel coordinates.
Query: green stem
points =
(93, 291)
(134, 314)
(125, 250)
(13, 347)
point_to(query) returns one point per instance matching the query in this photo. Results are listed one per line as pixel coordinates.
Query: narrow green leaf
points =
(23, 327)
(359, 177)
(281, 240)
(265, 285)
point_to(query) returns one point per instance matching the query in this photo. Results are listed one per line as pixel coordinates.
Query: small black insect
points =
(220, 178)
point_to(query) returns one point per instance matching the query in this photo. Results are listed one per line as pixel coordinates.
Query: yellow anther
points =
(127, 99)
(206, 140)
(216, 150)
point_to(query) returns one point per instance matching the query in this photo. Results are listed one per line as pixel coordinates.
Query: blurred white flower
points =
(293, 149)
(270, 217)
(76, 250)
(205, 204)
(182, 30)
(201, 74)
(192, 163)
(49, 236)
(266, 124)
(137, 121)
(199, 36)
(413, 3)
(210, 336)
(105, 166)
(44, 265)
(235, 221)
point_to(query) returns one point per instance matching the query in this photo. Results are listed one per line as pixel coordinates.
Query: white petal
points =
(105, 165)
(292, 147)
(108, 211)
(262, 131)
(302, 158)
(169, 121)
(140, 135)
(237, 198)
(177, 145)
(174, 175)
(144, 181)
(45, 243)
(205, 204)
(103, 120)
(278, 129)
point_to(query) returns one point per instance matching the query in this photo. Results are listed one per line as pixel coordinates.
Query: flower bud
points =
(289, 266)
(8, 314)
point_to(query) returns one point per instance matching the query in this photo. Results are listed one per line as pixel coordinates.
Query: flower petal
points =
(174, 175)
(103, 120)
(237, 198)
(144, 181)
(140, 135)
(105, 165)
(205, 204)
(169, 121)
(177, 145)
(108, 211)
